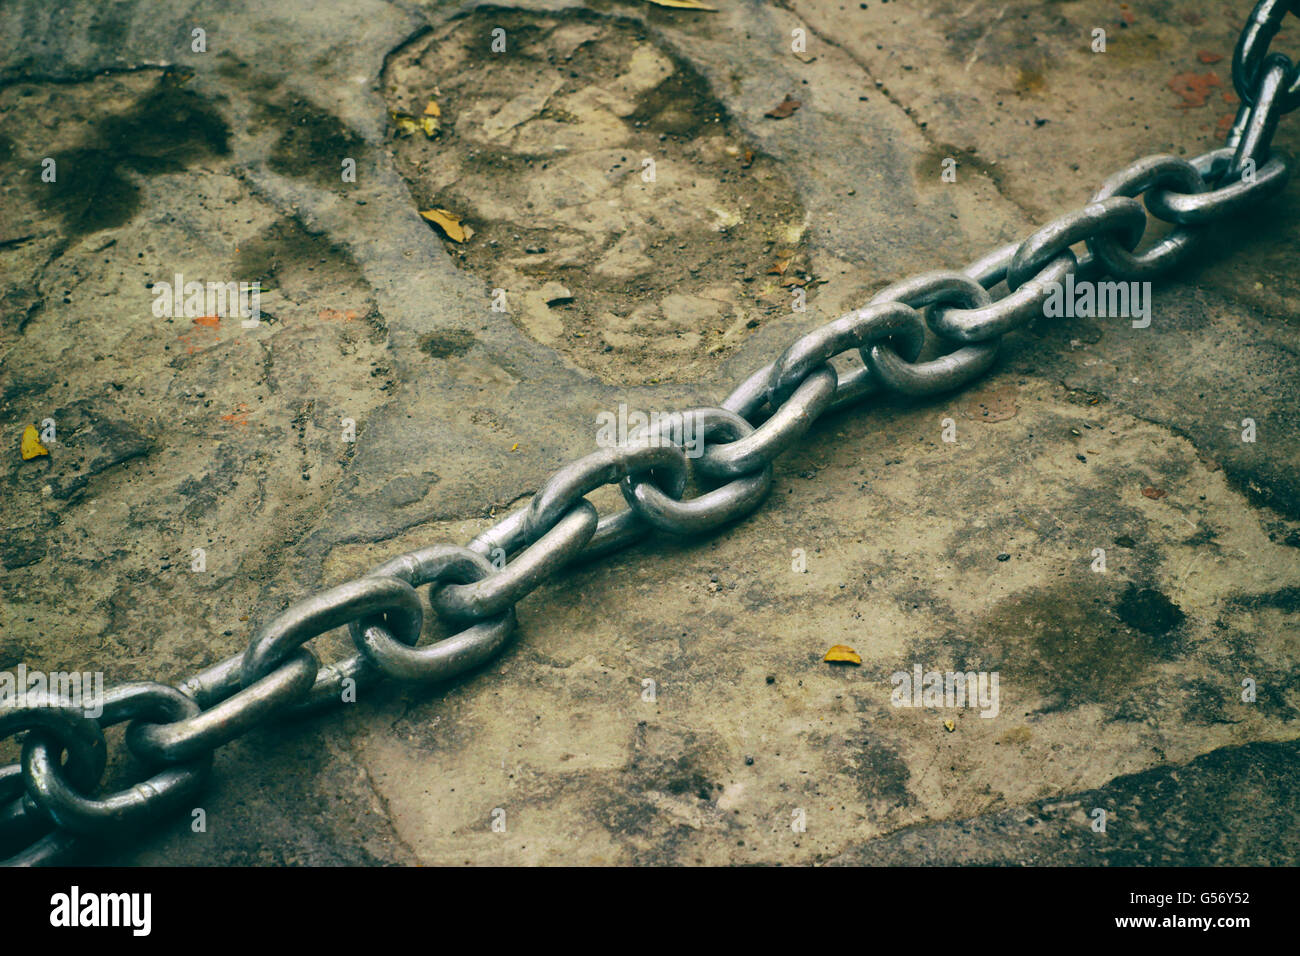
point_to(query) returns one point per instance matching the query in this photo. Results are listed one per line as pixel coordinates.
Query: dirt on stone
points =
(594, 157)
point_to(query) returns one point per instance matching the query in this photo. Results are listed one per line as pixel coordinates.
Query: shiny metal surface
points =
(48, 804)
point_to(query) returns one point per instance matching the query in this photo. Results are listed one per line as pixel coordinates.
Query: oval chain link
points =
(712, 509)
(167, 790)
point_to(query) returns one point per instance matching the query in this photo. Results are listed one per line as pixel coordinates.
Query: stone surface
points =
(1119, 690)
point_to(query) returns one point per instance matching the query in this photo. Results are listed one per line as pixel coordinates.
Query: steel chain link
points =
(45, 802)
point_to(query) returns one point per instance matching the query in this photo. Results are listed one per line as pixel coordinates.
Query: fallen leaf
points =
(1205, 56)
(449, 223)
(842, 654)
(32, 446)
(406, 125)
(1155, 494)
(684, 5)
(950, 725)
(430, 126)
(783, 109)
(432, 108)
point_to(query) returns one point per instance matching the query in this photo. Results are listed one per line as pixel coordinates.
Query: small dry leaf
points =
(783, 109)
(406, 125)
(432, 108)
(430, 126)
(449, 223)
(32, 446)
(842, 654)
(950, 725)
(684, 5)
(1155, 494)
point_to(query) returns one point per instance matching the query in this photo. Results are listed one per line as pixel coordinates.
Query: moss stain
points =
(168, 129)
(1081, 643)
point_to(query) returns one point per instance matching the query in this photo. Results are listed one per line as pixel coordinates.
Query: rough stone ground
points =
(1119, 690)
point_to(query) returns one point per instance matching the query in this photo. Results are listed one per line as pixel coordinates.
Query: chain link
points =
(46, 802)
(713, 509)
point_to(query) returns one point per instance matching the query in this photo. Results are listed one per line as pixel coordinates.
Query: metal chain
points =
(45, 807)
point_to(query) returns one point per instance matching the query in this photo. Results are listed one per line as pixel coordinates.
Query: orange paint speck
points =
(330, 315)
(237, 417)
(1194, 88)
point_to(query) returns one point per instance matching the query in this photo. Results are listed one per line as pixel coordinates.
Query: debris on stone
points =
(449, 223)
(842, 654)
(784, 109)
(556, 294)
(1155, 494)
(684, 5)
(992, 403)
(950, 725)
(408, 125)
(31, 445)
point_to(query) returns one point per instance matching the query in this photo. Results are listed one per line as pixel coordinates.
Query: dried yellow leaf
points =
(432, 108)
(430, 126)
(684, 4)
(406, 126)
(449, 223)
(32, 446)
(950, 725)
(842, 654)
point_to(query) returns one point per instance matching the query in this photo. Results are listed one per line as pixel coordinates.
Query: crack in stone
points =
(1031, 214)
(386, 810)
